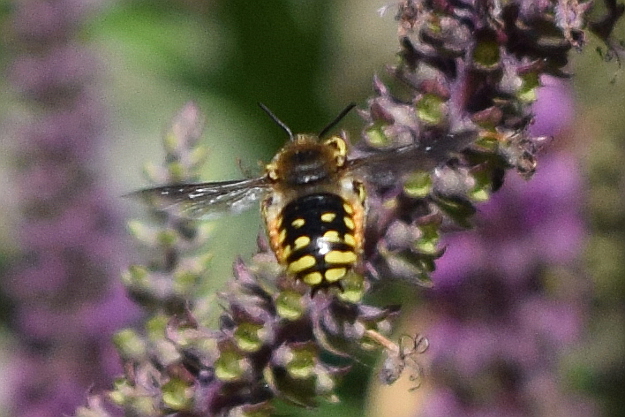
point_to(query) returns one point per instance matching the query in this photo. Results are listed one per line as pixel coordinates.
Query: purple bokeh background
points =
(67, 297)
(509, 299)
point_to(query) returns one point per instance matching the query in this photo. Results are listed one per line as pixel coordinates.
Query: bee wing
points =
(207, 200)
(385, 166)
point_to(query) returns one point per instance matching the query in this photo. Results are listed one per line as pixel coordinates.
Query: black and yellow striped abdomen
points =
(320, 238)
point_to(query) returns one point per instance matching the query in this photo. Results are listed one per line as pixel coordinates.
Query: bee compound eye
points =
(338, 144)
(339, 148)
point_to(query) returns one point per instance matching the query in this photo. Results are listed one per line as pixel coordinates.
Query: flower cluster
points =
(169, 283)
(467, 77)
(271, 331)
(469, 70)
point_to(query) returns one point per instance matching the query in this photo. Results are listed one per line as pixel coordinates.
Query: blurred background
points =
(138, 62)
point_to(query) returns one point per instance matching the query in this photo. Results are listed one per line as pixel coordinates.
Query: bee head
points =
(306, 160)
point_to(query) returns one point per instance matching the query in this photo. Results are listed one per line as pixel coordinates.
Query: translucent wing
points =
(385, 166)
(207, 200)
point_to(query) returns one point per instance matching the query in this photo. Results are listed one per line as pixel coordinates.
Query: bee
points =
(313, 200)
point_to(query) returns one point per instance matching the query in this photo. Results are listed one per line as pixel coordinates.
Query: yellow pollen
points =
(301, 264)
(313, 278)
(297, 223)
(301, 242)
(339, 257)
(335, 274)
(348, 222)
(348, 208)
(332, 236)
(349, 239)
(328, 217)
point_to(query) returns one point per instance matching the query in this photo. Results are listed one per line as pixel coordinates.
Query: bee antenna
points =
(337, 119)
(278, 121)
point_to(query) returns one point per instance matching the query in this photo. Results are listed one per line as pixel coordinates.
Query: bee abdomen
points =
(319, 238)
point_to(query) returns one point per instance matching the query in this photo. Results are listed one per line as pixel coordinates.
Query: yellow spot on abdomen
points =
(282, 236)
(301, 242)
(339, 257)
(349, 222)
(335, 274)
(328, 217)
(297, 223)
(349, 239)
(348, 208)
(313, 278)
(301, 264)
(286, 252)
(332, 236)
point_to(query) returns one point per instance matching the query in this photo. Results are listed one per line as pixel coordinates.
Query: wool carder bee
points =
(313, 200)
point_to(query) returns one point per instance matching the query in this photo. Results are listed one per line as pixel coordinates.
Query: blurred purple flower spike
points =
(67, 298)
(509, 297)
